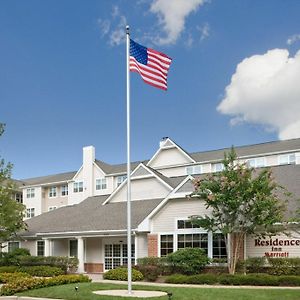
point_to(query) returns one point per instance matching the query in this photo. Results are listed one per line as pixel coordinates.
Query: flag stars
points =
(139, 52)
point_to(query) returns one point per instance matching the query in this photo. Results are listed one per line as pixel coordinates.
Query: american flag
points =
(152, 65)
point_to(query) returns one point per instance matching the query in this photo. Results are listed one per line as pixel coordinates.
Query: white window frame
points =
(287, 159)
(52, 192)
(194, 169)
(30, 212)
(37, 247)
(9, 245)
(101, 184)
(215, 169)
(78, 187)
(64, 190)
(257, 162)
(19, 197)
(69, 244)
(121, 179)
(30, 193)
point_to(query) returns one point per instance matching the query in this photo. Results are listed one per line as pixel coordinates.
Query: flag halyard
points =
(153, 66)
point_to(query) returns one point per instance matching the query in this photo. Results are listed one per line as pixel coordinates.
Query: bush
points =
(149, 261)
(227, 279)
(41, 271)
(149, 272)
(255, 264)
(284, 266)
(23, 284)
(12, 258)
(121, 274)
(8, 277)
(188, 260)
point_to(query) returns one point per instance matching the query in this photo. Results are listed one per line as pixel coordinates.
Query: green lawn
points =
(68, 292)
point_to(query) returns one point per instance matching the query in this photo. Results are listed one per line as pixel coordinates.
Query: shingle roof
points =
(49, 178)
(90, 215)
(115, 169)
(257, 149)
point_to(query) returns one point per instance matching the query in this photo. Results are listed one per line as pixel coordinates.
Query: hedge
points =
(8, 277)
(226, 279)
(121, 274)
(39, 271)
(23, 284)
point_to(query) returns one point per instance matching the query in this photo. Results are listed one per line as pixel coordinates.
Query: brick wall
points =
(152, 245)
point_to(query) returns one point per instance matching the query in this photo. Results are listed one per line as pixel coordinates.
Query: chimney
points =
(162, 141)
(87, 170)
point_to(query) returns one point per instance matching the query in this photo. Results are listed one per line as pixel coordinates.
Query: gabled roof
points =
(90, 215)
(49, 178)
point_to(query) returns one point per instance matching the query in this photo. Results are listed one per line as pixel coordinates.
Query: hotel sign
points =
(277, 247)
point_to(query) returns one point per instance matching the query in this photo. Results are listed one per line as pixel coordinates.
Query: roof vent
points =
(162, 141)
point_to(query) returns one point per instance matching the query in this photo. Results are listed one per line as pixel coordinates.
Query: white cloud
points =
(292, 39)
(265, 90)
(115, 29)
(171, 16)
(204, 31)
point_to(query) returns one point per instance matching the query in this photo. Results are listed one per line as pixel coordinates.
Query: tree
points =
(11, 212)
(241, 201)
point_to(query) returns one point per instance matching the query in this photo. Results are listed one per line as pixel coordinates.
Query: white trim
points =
(77, 173)
(94, 163)
(169, 147)
(136, 178)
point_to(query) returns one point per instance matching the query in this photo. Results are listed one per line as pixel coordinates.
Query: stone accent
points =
(152, 245)
(93, 268)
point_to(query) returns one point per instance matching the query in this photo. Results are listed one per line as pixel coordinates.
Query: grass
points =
(68, 292)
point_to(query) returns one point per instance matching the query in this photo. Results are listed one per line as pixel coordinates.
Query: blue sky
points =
(233, 79)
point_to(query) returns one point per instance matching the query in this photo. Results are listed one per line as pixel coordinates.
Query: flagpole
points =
(128, 165)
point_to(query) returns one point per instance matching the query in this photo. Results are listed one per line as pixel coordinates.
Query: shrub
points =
(8, 277)
(23, 284)
(177, 279)
(251, 279)
(41, 271)
(149, 272)
(121, 274)
(188, 260)
(289, 280)
(9, 269)
(283, 266)
(149, 261)
(255, 264)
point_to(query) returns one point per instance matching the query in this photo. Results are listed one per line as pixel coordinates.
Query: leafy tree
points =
(11, 212)
(241, 201)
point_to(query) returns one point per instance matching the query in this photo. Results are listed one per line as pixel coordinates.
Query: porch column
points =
(47, 247)
(80, 254)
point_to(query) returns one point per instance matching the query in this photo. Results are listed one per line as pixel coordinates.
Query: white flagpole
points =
(128, 166)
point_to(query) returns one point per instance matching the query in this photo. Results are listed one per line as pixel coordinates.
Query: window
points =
(19, 197)
(50, 208)
(101, 184)
(64, 190)
(40, 248)
(219, 246)
(218, 167)
(30, 212)
(197, 240)
(287, 159)
(120, 179)
(191, 170)
(256, 162)
(52, 191)
(13, 246)
(30, 193)
(115, 255)
(185, 224)
(78, 187)
(166, 244)
(73, 248)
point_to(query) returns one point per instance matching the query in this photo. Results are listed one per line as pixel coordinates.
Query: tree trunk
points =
(234, 240)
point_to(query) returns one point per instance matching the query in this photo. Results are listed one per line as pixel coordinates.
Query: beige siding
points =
(30, 245)
(57, 201)
(60, 247)
(142, 245)
(169, 157)
(165, 219)
(93, 250)
(254, 250)
(146, 188)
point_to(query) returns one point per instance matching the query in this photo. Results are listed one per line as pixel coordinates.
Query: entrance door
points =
(115, 255)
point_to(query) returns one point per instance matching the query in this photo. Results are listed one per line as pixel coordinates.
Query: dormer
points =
(169, 154)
